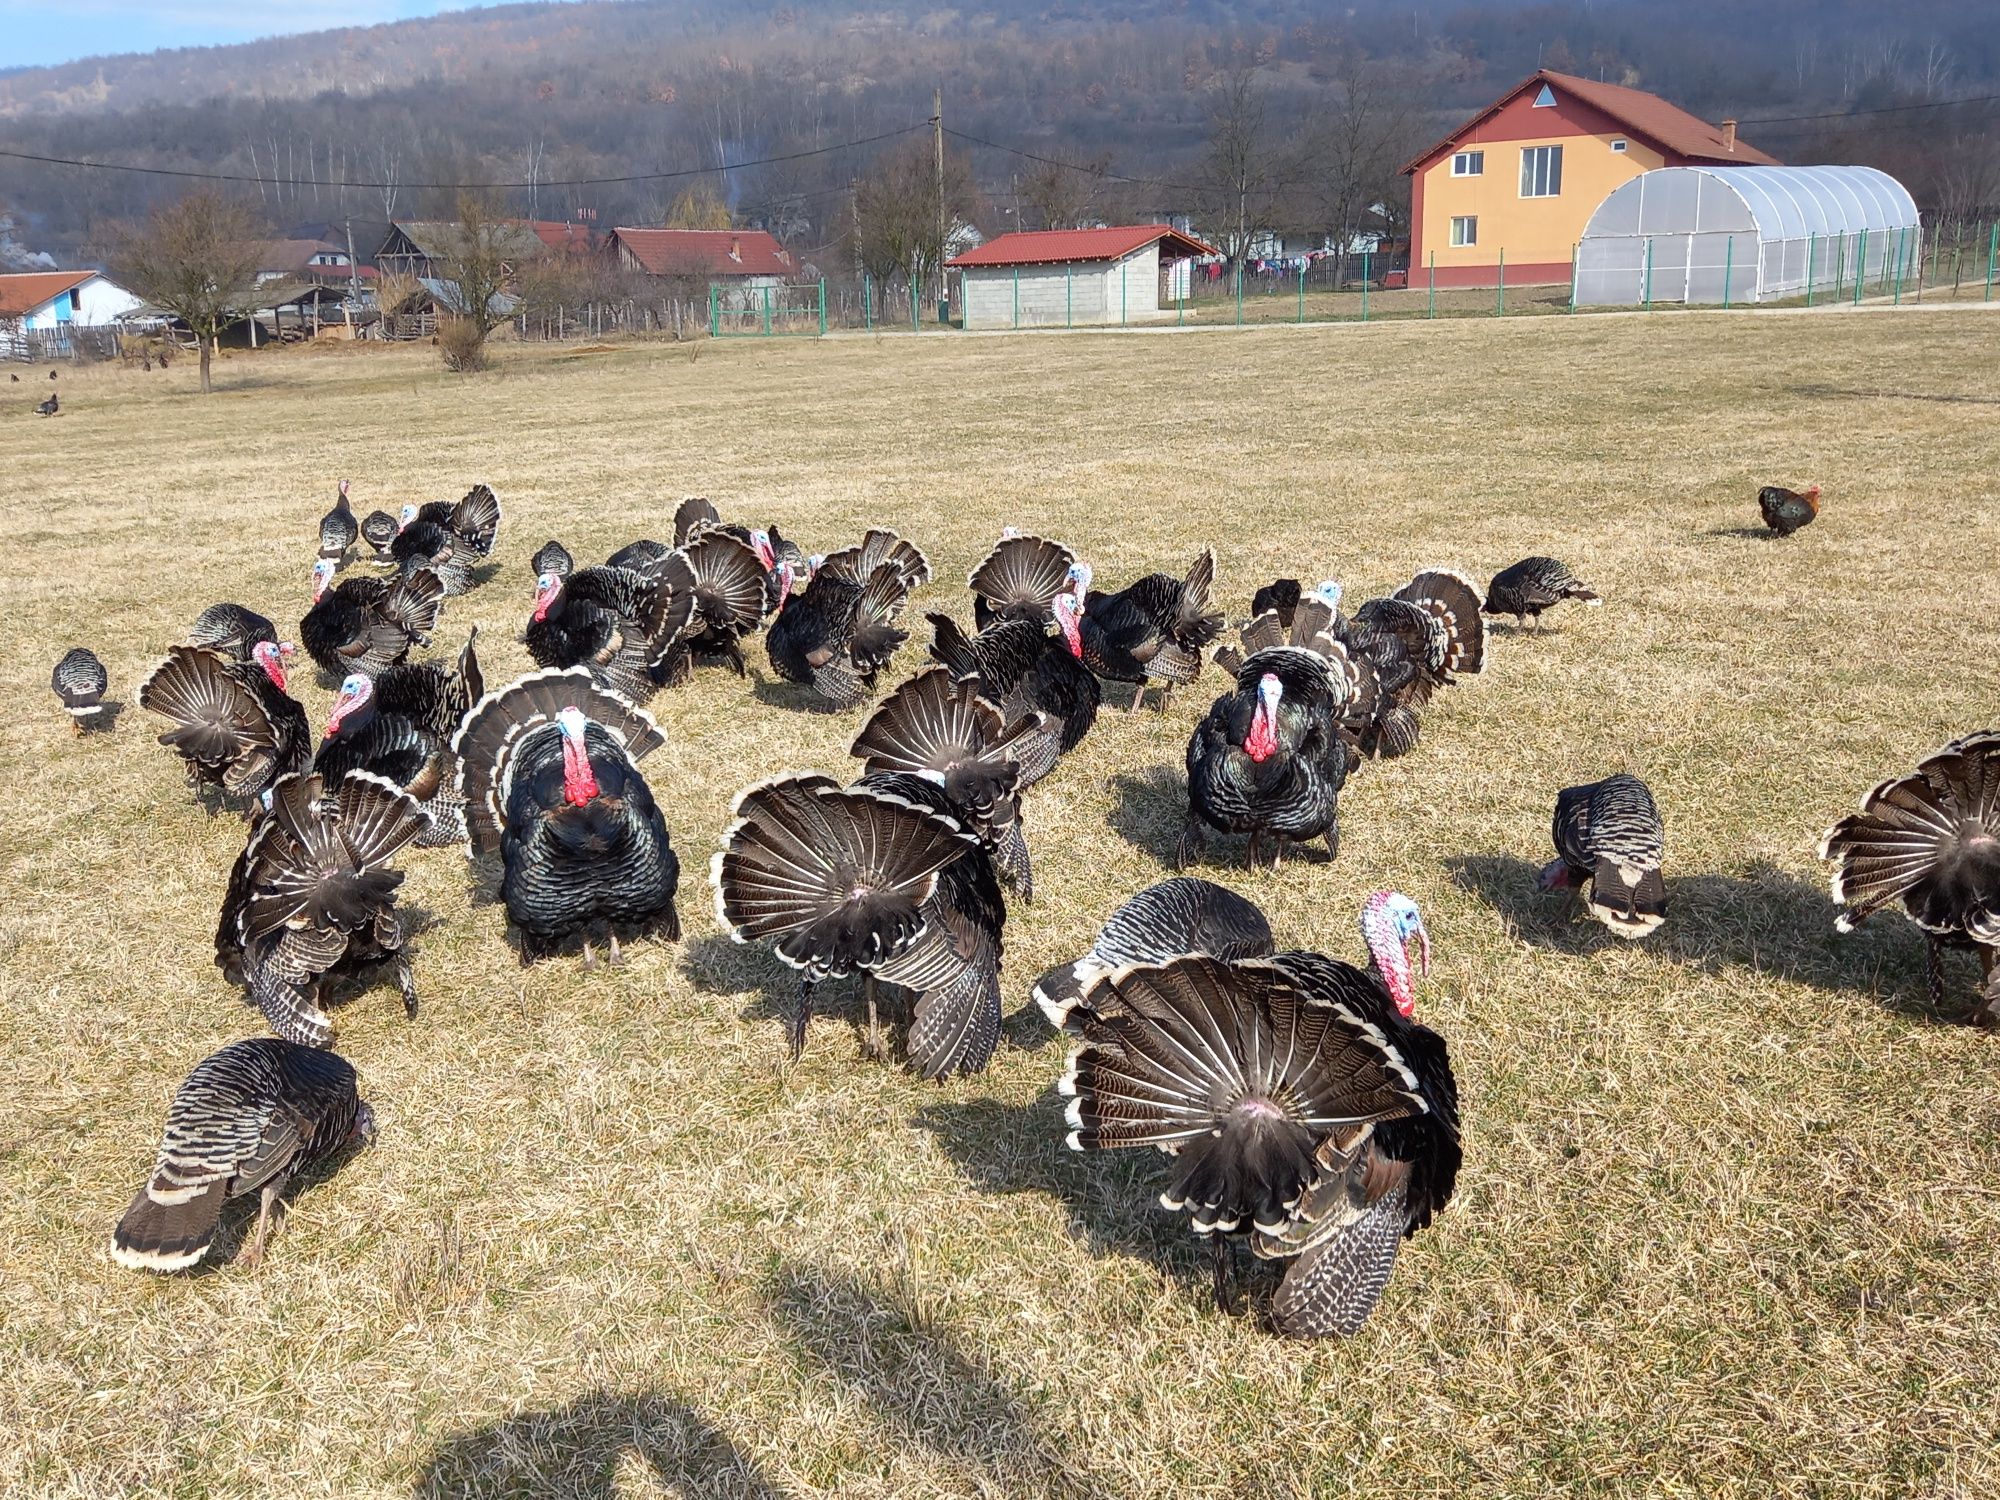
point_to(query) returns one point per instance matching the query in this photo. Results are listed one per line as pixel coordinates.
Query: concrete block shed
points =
(1070, 278)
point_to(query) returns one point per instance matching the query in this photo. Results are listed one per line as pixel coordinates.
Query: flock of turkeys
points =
(1306, 1110)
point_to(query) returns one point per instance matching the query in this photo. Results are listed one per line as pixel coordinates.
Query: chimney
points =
(1729, 136)
(736, 241)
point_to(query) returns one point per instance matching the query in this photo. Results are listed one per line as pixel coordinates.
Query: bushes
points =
(462, 343)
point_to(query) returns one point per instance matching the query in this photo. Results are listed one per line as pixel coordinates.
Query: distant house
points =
(1070, 277)
(49, 299)
(1522, 177)
(735, 259)
(426, 247)
(367, 236)
(320, 261)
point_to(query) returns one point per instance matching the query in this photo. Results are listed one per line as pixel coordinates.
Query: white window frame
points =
(1468, 163)
(1619, 144)
(1541, 166)
(1464, 231)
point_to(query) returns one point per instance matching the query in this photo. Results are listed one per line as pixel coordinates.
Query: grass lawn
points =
(1729, 1216)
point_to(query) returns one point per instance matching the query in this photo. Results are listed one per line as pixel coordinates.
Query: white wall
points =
(101, 301)
(1080, 294)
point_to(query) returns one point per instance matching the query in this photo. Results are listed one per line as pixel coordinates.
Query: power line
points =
(1085, 168)
(1855, 114)
(574, 182)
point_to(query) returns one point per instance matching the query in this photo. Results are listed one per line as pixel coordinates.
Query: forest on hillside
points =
(610, 112)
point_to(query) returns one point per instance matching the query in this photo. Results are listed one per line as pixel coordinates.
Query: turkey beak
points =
(1423, 941)
(784, 584)
(364, 1125)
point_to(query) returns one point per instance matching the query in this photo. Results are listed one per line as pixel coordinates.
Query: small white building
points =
(1071, 278)
(40, 300)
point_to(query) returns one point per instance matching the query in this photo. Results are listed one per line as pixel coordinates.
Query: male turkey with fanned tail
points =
(1610, 844)
(399, 726)
(247, 1120)
(448, 539)
(1019, 579)
(620, 622)
(1024, 668)
(1304, 1108)
(1419, 639)
(1153, 632)
(878, 878)
(836, 633)
(233, 724)
(1930, 842)
(312, 898)
(367, 624)
(550, 780)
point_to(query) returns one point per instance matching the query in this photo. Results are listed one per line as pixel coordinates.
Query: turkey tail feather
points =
(156, 1236)
(1329, 1291)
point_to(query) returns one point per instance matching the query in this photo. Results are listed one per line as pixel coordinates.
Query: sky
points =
(35, 33)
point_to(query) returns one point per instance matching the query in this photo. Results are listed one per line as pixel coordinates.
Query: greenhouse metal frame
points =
(1722, 235)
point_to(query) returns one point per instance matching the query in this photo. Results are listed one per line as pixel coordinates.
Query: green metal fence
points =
(797, 310)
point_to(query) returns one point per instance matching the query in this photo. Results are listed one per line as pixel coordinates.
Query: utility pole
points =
(937, 139)
(353, 266)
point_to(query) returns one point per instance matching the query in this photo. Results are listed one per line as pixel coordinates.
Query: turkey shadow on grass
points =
(775, 692)
(889, 1342)
(1745, 533)
(1112, 1198)
(577, 1450)
(105, 720)
(1150, 810)
(1764, 920)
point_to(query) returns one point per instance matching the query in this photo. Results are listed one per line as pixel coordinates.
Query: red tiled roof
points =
(1058, 246)
(1648, 116)
(706, 252)
(22, 293)
(564, 236)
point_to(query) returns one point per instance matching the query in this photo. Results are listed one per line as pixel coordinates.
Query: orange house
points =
(1521, 178)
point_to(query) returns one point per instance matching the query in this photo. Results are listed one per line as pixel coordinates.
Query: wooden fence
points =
(70, 341)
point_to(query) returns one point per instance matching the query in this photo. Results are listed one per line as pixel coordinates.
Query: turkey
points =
(836, 634)
(234, 724)
(697, 516)
(366, 624)
(774, 552)
(728, 600)
(1415, 640)
(312, 898)
(943, 731)
(1532, 585)
(1931, 841)
(1304, 1108)
(1610, 842)
(1162, 922)
(338, 529)
(1019, 578)
(621, 624)
(448, 540)
(247, 1120)
(1022, 668)
(1785, 511)
(1280, 596)
(233, 630)
(1153, 632)
(50, 407)
(399, 725)
(81, 682)
(379, 530)
(1269, 759)
(550, 783)
(551, 557)
(879, 878)
(878, 548)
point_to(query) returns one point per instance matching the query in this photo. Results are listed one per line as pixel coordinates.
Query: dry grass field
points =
(1731, 1204)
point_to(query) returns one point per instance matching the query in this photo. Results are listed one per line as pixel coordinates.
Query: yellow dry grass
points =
(1731, 1200)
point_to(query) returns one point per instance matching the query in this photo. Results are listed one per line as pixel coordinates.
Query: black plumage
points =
(940, 729)
(231, 629)
(399, 725)
(1415, 640)
(312, 898)
(1280, 597)
(549, 775)
(879, 547)
(728, 599)
(476, 517)
(367, 624)
(836, 634)
(1786, 511)
(552, 557)
(1268, 760)
(81, 682)
(49, 406)
(1609, 844)
(1022, 668)
(622, 624)
(1174, 917)
(1526, 588)
(448, 539)
(233, 723)
(1153, 632)
(379, 531)
(878, 878)
(1304, 1110)
(248, 1119)
(338, 530)
(1018, 579)
(1930, 842)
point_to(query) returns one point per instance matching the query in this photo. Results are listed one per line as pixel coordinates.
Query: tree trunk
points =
(206, 348)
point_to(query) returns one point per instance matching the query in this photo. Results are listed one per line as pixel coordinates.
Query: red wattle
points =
(1261, 743)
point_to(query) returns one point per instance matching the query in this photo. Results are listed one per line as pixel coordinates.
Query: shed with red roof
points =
(1066, 278)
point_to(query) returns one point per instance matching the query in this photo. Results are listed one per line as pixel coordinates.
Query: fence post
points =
(1572, 278)
(1365, 257)
(1302, 292)
(1180, 293)
(916, 307)
(1646, 278)
(1434, 286)
(1860, 265)
(1992, 249)
(714, 312)
(1239, 294)
(1810, 247)
(822, 307)
(1123, 268)
(1017, 297)
(767, 312)
(1069, 297)
(1500, 291)
(1902, 249)
(1728, 268)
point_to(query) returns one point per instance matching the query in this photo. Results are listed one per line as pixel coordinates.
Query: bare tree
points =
(481, 263)
(196, 259)
(1064, 197)
(1351, 159)
(896, 213)
(1243, 172)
